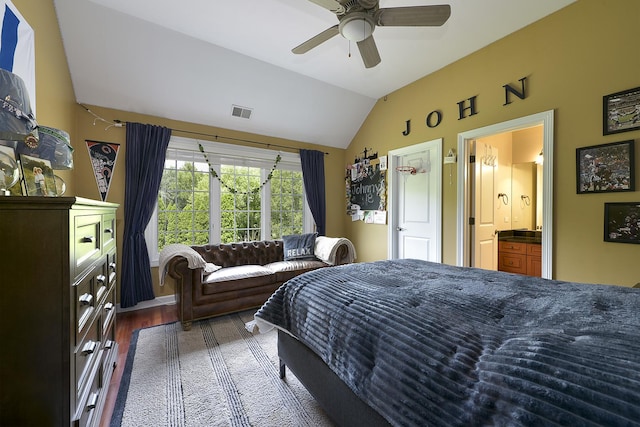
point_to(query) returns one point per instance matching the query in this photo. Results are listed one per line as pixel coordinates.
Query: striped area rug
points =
(216, 374)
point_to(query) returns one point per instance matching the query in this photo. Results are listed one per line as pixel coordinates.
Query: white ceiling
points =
(191, 60)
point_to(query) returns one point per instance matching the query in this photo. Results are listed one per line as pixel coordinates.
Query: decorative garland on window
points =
(233, 190)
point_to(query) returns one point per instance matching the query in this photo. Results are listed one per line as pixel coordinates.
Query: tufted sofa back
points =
(243, 253)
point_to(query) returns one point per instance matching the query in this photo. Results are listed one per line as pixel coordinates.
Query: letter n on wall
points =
(520, 94)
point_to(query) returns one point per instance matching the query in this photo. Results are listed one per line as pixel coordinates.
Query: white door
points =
(415, 208)
(485, 248)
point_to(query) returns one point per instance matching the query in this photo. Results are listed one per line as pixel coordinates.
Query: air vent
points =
(241, 112)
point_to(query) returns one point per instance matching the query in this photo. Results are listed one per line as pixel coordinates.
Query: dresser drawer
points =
(87, 246)
(108, 231)
(89, 294)
(110, 353)
(102, 282)
(86, 356)
(90, 398)
(512, 263)
(112, 267)
(534, 249)
(513, 247)
(108, 309)
(85, 305)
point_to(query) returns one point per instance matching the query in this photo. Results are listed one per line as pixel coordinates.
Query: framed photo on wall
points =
(38, 176)
(621, 111)
(605, 168)
(622, 222)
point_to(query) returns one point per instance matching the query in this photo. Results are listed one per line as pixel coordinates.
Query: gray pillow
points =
(299, 246)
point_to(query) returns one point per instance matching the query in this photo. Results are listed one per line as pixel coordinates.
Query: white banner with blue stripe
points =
(17, 47)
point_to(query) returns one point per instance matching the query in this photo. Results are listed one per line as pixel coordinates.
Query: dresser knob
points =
(92, 402)
(89, 348)
(85, 299)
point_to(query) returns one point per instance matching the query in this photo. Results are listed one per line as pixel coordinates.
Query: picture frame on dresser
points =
(38, 176)
(605, 168)
(9, 171)
(622, 222)
(621, 111)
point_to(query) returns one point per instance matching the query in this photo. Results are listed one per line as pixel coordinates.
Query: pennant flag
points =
(103, 157)
(17, 47)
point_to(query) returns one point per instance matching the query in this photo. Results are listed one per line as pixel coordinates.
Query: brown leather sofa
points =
(250, 273)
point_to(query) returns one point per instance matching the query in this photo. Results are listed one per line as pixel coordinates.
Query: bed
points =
(414, 343)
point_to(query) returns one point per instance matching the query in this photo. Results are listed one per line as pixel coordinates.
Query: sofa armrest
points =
(343, 255)
(178, 267)
(188, 280)
(334, 250)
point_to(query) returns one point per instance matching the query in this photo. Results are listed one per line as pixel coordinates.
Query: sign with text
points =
(367, 190)
(103, 157)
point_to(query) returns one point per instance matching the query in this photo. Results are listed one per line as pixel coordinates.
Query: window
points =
(240, 204)
(287, 203)
(183, 200)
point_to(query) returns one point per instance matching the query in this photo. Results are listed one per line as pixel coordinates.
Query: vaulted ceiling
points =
(193, 60)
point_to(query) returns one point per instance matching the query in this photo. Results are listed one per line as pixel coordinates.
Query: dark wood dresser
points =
(57, 309)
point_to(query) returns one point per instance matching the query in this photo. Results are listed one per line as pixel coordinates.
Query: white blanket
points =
(326, 248)
(194, 259)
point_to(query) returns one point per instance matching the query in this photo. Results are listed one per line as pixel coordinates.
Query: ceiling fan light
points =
(356, 29)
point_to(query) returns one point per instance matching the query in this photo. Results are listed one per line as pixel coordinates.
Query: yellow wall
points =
(570, 59)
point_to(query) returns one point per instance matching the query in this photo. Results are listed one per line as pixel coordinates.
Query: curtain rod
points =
(120, 124)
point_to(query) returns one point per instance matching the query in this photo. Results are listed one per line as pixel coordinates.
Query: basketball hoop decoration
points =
(406, 170)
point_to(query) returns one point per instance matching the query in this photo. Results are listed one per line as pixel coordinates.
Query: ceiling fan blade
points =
(369, 52)
(331, 5)
(316, 40)
(413, 16)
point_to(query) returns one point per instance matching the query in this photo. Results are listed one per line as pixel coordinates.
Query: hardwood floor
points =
(126, 323)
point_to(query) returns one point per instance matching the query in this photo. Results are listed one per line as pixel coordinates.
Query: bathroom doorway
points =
(509, 208)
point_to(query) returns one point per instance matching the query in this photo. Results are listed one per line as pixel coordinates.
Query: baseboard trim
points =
(156, 302)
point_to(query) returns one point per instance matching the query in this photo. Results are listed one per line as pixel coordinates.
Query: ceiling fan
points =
(358, 18)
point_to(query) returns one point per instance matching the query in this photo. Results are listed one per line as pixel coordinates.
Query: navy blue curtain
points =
(313, 177)
(145, 153)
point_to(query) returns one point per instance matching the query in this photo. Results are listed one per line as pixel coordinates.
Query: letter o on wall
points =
(430, 119)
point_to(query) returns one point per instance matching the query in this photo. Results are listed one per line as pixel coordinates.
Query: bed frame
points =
(340, 403)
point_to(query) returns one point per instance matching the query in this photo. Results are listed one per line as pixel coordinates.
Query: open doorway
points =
(467, 177)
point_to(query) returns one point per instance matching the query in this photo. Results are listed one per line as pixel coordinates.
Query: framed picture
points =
(621, 111)
(605, 168)
(622, 222)
(9, 171)
(38, 176)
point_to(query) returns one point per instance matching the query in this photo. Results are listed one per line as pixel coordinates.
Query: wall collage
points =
(365, 184)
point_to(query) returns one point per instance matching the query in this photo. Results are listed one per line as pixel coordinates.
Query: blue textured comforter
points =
(430, 344)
